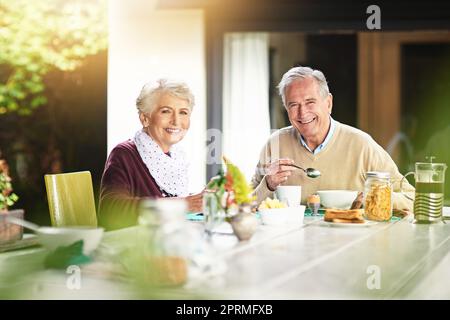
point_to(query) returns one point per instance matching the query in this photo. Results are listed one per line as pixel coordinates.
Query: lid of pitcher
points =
(430, 165)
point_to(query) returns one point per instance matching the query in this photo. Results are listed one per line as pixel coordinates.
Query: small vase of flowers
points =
(229, 198)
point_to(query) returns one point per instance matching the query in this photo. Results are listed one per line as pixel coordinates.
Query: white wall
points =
(146, 44)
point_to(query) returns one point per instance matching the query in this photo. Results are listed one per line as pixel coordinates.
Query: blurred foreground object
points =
(171, 251)
(166, 245)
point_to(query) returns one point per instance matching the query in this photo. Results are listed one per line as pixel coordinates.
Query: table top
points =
(399, 260)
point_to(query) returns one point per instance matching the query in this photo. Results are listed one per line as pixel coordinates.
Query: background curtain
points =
(246, 121)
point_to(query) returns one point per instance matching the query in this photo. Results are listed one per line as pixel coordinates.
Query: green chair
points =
(71, 199)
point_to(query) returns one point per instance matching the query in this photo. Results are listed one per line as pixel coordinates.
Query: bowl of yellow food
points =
(275, 213)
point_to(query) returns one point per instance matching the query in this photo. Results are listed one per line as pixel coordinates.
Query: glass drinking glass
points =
(212, 211)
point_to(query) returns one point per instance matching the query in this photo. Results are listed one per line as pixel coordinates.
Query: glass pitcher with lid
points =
(429, 194)
(166, 252)
(174, 250)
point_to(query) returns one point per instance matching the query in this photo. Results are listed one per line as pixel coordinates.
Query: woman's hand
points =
(195, 202)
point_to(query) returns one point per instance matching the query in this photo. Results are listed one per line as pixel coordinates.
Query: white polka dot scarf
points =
(169, 172)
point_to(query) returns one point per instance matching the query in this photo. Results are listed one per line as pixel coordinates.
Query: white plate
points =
(367, 223)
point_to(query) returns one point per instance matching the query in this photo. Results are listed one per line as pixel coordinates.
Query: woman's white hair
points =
(151, 92)
(300, 73)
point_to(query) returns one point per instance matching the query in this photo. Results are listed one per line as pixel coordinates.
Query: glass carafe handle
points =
(401, 185)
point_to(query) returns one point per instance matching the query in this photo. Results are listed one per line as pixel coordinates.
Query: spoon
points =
(310, 172)
(54, 237)
(23, 223)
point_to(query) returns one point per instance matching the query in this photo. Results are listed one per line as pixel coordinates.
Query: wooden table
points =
(398, 260)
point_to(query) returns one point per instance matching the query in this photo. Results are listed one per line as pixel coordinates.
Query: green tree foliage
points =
(39, 36)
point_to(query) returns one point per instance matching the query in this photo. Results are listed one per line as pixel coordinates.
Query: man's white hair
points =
(300, 73)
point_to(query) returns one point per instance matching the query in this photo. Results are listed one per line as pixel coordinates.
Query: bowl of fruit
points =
(276, 213)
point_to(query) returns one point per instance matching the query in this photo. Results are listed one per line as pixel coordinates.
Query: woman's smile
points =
(173, 130)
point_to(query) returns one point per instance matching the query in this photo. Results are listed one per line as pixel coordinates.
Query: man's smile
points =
(307, 120)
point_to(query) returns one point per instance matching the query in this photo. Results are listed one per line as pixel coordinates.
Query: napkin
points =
(194, 216)
(64, 256)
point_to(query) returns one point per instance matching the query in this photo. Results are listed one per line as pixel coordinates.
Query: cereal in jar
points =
(378, 196)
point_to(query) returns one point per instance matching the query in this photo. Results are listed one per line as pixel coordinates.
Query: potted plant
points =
(8, 232)
(229, 197)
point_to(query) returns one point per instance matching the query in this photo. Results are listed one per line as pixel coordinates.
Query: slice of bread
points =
(351, 214)
(344, 220)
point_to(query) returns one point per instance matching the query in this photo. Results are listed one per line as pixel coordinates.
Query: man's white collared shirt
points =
(325, 142)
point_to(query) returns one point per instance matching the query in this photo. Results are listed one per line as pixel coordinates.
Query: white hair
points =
(151, 92)
(300, 73)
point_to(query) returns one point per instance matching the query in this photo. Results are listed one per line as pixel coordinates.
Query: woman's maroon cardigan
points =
(125, 181)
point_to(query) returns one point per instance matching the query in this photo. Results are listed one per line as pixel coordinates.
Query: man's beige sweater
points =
(343, 163)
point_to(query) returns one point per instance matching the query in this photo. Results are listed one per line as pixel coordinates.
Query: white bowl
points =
(54, 237)
(283, 216)
(339, 199)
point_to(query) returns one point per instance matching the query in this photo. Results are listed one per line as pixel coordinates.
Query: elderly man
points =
(342, 153)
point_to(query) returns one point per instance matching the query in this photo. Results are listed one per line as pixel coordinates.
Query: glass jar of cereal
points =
(378, 196)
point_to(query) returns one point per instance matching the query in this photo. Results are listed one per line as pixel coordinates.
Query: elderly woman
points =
(151, 165)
